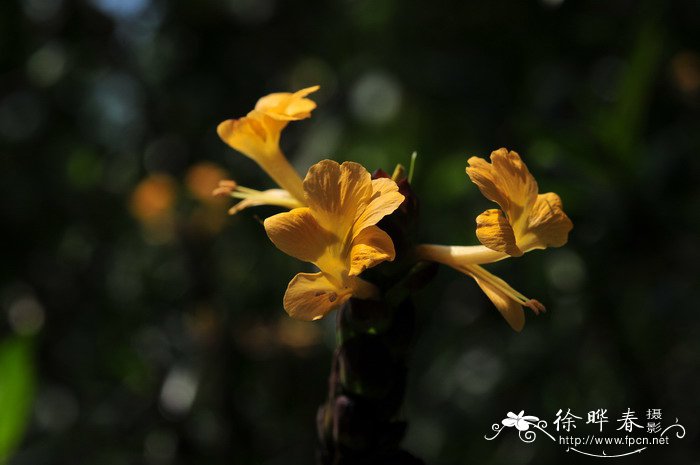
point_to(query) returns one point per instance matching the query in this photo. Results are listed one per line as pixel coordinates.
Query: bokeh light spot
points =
(297, 335)
(47, 65)
(685, 67)
(56, 409)
(201, 180)
(153, 198)
(26, 315)
(179, 391)
(565, 270)
(114, 106)
(121, 9)
(478, 371)
(376, 97)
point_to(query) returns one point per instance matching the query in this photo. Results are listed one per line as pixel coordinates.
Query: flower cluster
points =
(334, 212)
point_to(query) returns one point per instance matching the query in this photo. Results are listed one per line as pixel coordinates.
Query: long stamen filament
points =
(466, 259)
(501, 285)
(267, 199)
(252, 197)
(497, 282)
(244, 195)
(247, 189)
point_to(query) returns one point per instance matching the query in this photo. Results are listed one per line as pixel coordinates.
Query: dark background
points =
(140, 324)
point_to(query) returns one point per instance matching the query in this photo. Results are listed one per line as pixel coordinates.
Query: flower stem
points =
(360, 423)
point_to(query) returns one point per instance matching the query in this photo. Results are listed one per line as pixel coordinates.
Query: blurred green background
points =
(140, 324)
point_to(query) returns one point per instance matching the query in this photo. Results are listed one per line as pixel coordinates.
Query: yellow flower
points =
(337, 232)
(257, 135)
(527, 221)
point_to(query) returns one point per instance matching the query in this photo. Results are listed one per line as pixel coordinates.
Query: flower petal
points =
(506, 181)
(310, 296)
(548, 225)
(272, 101)
(297, 233)
(335, 193)
(300, 107)
(496, 233)
(511, 310)
(481, 173)
(371, 247)
(285, 106)
(385, 199)
(248, 135)
(510, 422)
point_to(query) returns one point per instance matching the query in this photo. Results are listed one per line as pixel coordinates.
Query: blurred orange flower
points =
(153, 198)
(202, 178)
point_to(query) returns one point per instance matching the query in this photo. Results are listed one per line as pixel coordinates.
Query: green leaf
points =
(17, 386)
(620, 128)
